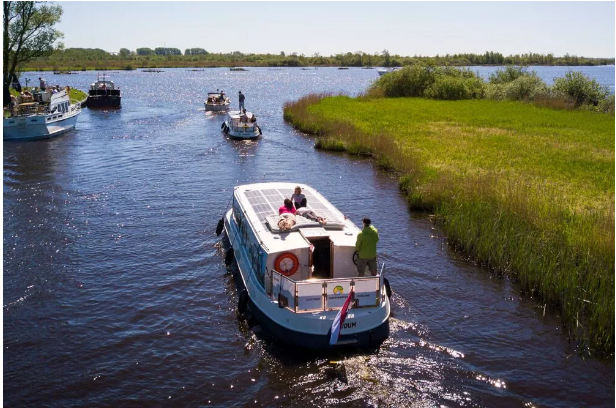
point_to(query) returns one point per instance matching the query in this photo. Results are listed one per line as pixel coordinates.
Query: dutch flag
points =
(339, 320)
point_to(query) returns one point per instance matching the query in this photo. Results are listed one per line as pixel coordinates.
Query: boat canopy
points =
(103, 84)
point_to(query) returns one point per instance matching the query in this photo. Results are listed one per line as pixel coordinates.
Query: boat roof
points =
(262, 200)
(216, 93)
(236, 115)
(107, 83)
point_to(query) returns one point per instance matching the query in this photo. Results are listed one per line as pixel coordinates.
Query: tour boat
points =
(31, 121)
(217, 102)
(241, 125)
(104, 94)
(295, 282)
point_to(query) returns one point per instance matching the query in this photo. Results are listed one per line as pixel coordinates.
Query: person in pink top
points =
(287, 207)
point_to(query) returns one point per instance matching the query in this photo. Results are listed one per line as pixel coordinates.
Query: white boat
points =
(217, 102)
(241, 125)
(31, 121)
(383, 71)
(296, 281)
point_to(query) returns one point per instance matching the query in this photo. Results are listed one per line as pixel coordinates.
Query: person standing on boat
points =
(241, 98)
(42, 84)
(366, 248)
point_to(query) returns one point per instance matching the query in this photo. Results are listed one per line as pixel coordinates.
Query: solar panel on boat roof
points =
(266, 202)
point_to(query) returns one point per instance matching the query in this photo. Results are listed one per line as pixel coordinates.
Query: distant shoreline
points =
(83, 59)
(117, 68)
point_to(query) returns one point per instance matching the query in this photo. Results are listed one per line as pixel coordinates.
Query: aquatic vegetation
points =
(525, 190)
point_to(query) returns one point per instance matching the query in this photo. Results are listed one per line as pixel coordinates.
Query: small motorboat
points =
(104, 94)
(297, 281)
(217, 102)
(242, 125)
(383, 71)
(34, 120)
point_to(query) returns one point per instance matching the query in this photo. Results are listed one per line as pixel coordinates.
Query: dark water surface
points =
(115, 293)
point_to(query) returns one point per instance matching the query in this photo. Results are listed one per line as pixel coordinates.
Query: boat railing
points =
(243, 126)
(324, 294)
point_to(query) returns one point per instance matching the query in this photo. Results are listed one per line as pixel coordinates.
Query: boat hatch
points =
(323, 295)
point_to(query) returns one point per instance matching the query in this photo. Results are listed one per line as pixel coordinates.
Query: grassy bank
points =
(525, 190)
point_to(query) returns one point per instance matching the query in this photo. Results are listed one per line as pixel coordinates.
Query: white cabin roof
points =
(98, 84)
(263, 199)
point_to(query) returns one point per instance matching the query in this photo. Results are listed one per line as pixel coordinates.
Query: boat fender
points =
(355, 257)
(286, 258)
(223, 125)
(387, 287)
(242, 302)
(229, 257)
(220, 226)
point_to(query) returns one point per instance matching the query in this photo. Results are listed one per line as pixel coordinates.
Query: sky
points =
(405, 28)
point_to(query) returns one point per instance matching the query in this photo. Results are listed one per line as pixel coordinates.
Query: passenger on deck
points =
(241, 97)
(287, 207)
(306, 213)
(286, 219)
(366, 248)
(298, 198)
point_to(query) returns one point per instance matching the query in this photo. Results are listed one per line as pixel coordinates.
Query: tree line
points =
(84, 58)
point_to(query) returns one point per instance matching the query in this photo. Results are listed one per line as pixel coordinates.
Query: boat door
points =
(321, 258)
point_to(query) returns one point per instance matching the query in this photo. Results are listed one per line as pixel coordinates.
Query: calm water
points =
(115, 291)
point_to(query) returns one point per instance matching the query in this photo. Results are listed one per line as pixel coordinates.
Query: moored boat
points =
(31, 120)
(217, 102)
(242, 125)
(295, 282)
(104, 94)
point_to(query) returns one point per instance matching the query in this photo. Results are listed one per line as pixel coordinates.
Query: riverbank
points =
(526, 191)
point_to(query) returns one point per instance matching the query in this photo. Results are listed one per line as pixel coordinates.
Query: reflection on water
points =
(115, 291)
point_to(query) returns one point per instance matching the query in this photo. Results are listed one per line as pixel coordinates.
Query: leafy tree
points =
(144, 51)
(124, 52)
(195, 51)
(386, 58)
(28, 34)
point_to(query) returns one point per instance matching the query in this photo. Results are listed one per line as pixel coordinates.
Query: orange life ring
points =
(287, 256)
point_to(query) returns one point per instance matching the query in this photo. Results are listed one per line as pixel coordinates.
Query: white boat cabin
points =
(308, 268)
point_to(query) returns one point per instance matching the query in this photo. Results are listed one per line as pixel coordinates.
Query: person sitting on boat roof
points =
(244, 117)
(298, 198)
(287, 207)
(366, 248)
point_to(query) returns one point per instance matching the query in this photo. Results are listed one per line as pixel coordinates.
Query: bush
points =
(455, 88)
(406, 82)
(525, 87)
(607, 105)
(580, 88)
(508, 74)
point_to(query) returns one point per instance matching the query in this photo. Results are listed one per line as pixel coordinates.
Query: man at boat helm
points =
(366, 248)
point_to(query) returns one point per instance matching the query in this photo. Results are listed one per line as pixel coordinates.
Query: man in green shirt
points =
(366, 248)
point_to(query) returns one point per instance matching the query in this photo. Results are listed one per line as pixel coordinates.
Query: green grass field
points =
(525, 190)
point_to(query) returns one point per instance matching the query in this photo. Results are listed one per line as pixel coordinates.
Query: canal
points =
(115, 291)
